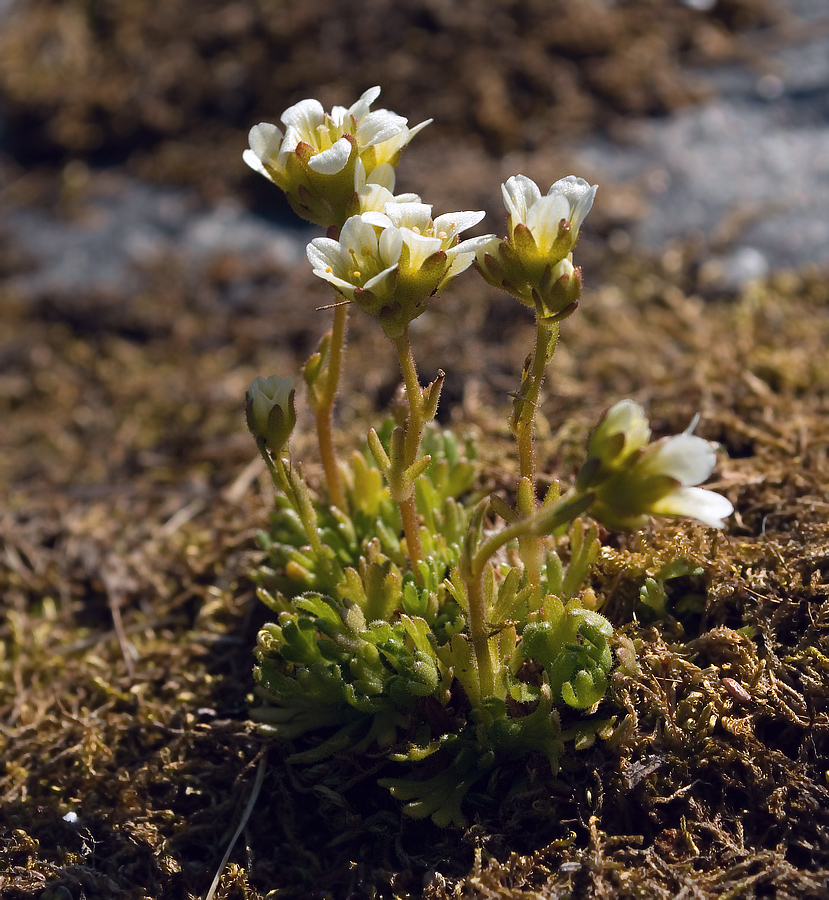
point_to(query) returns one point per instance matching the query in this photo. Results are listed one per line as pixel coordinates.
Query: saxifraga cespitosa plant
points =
(402, 626)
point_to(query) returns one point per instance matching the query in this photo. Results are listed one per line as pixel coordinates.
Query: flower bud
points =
(270, 413)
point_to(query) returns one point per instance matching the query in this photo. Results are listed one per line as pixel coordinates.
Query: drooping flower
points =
(269, 411)
(322, 158)
(632, 479)
(391, 262)
(534, 261)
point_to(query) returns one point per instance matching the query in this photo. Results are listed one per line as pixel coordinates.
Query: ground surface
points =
(126, 755)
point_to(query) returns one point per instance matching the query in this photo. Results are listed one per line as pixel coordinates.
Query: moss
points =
(132, 503)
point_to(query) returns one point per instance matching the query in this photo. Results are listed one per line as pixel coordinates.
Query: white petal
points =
(372, 198)
(376, 218)
(421, 247)
(383, 175)
(519, 193)
(696, 503)
(359, 237)
(410, 215)
(579, 195)
(488, 244)
(324, 253)
(346, 288)
(289, 143)
(544, 217)
(306, 116)
(458, 262)
(485, 243)
(255, 163)
(360, 109)
(376, 283)
(688, 459)
(391, 245)
(454, 223)
(417, 128)
(265, 140)
(379, 126)
(332, 160)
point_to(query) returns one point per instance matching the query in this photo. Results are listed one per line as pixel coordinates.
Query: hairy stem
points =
(414, 394)
(479, 633)
(411, 529)
(325, 409)
(414, 434)
(522, 424)
(299, 496)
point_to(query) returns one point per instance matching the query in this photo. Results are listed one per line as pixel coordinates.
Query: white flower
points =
(534, 262)
(322, 158)
(391, 262)
(633, 480)
(565, 205)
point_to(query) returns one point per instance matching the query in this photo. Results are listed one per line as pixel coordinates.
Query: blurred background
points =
(131, 230)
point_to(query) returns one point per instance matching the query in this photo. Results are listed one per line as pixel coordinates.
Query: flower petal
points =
(696, 503)
(421, 246)
(544, 218)
(411, 215)
(579, 195)
(360, 108)
(391, 245)
(519, 193)
(688, 459)
(306, 116)
(380, 126)
(454, 223)
(333, 160)
(324, 253)
(265, 140)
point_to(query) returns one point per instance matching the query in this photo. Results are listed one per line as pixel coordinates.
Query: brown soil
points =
(133, 497)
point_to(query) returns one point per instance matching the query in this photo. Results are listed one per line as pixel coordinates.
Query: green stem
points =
(325, 410)
(522, 424)
(297, 493)
(411, 530)
(479, 633)
(414, 394)
(543, 521)
(414, 434)
(473, 570)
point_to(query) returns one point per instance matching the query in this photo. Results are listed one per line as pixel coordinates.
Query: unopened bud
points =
(269, 410)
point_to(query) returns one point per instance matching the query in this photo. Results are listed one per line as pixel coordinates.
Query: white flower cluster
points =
(388, 256)
(534, 262)
(391, 262)
(321, 158)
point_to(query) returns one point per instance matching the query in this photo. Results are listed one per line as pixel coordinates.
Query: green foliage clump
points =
(367, 658)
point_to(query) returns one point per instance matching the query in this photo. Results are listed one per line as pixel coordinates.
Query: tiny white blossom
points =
(391, 262)
(534, 262)
(688, 460)
(633, 479)
(321, 158)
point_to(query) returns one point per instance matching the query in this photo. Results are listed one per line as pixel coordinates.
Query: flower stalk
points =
(324, 407)
(522, 425)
